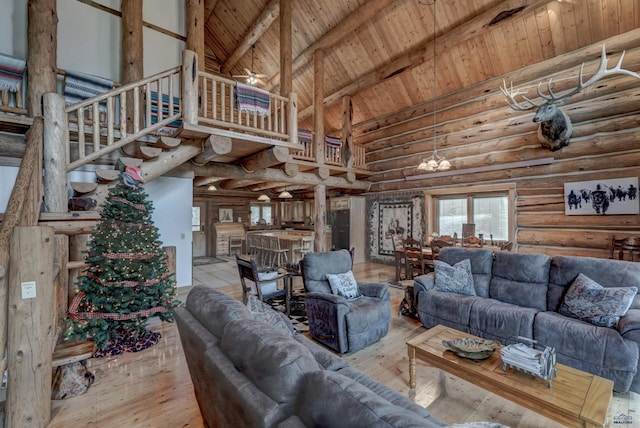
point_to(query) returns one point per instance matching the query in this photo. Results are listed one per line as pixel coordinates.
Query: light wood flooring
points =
(153, 388)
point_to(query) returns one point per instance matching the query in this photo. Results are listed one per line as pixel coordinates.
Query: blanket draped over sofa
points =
(521, 294)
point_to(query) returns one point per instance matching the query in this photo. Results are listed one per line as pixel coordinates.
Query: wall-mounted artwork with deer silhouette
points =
(554, 130)
(602, 197)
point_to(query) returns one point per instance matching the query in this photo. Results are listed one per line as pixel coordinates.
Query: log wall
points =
(488, 142)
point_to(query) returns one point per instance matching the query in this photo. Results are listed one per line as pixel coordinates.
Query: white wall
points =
(13, 28)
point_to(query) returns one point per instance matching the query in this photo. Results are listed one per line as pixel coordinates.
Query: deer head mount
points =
(555, 127)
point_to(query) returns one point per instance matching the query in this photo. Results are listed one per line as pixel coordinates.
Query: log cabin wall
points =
(488, 143)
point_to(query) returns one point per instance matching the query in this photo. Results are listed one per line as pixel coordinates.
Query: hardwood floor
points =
(153, 388)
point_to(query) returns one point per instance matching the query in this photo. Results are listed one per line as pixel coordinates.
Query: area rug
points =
(199, 261)
(298, 315)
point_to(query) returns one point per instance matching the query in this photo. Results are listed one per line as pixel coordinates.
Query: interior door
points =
(200, 236)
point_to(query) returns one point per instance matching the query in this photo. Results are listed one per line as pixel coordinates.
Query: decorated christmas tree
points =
(127, 280)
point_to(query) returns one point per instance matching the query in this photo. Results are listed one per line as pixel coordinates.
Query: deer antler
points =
(511, 94)
(599, 74)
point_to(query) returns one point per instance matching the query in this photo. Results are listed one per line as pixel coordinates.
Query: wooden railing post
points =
(55, 149)
(31, 329)
(189, 87)
(293, 118)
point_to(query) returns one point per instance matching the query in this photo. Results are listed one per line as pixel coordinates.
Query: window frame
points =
(432, 197)
(261, 206)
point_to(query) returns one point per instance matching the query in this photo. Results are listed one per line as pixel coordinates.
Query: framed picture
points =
(602, 197)
(396, 219)
(225, 215)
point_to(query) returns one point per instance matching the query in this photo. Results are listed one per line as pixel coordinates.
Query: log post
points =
(266, 158)
(346, 137)
(320, 201)
(177, 157)
(293, 118)
(55, 142)
(213, 147)
(42, 42)
(194, 16)
(286, 62)
(131, 64)
(190, 87)
(31, 329)
(318, 105)
(61, 283)
(12, 217)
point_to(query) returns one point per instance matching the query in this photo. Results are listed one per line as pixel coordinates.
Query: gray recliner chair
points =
(344, 325)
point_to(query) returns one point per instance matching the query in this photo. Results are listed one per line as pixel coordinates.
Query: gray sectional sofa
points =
(520, 295)
(248, 373)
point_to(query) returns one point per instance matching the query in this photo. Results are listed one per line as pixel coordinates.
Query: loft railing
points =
(333, 154)
(97, 126)
(218, 108)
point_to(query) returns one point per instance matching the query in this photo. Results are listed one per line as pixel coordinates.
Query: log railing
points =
(333, 156)
(217, 108)
(98, 124)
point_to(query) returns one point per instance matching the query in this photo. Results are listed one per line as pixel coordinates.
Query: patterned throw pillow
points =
(454, 279)
(263, 312)
(344, 284)
(602, 306)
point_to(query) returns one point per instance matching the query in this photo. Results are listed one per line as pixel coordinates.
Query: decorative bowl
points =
(472, 348)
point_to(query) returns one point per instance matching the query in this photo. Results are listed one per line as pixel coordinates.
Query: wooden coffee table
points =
(576, 399)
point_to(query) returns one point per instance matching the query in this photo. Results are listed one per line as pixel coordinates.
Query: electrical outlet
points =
(182, 236)
(28, 289)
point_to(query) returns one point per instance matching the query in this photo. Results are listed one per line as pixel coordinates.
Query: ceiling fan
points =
(252, 77)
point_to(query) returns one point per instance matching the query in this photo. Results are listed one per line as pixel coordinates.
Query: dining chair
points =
(278, 255)
(415, 263)
(305, 246)
(264, 284)
(235, 244)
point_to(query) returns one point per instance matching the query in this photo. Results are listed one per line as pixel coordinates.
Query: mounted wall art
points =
(225, 215)
(602, 197)
(396, 218)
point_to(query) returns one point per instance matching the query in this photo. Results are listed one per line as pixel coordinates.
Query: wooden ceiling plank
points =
(407, 60)
(257, 29)
(332, 37)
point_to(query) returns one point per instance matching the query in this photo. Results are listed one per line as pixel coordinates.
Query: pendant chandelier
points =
(264, 198)
(435, 162)
(285, 194)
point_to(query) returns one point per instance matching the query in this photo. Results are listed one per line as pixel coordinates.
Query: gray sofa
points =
(520, 295)
(247, 373)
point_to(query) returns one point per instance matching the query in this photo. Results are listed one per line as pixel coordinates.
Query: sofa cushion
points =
(608, 273)
(262, 312)
(481, 264)
(496, 320)
(268, 357)
(344, 284)
(327, 360)
(439, 307)
(214, 309)
(589, 301)
(352, 405)
(520, 279)
(584, 346)
(454, 279)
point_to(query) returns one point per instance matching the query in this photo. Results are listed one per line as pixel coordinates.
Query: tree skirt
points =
(129, 344)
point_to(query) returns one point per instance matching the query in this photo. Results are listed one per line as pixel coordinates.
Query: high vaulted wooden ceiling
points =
(381, 52)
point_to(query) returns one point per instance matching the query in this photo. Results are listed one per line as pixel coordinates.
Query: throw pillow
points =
(454, 279)
(602, 306)
(269, 287)
(263, 312)
(344, 284)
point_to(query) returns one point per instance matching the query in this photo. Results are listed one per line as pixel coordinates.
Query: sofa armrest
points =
(423, 282)
(630, 322)
(375, 289)
(333, 299)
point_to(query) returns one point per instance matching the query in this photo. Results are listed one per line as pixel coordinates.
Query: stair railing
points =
(97, 126)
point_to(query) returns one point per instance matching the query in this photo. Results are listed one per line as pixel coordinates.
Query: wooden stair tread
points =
(71, 352)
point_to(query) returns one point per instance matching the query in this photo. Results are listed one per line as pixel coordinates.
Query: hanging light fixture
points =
(264, 198)
(435, 162)
(285, 194)
(252, 79)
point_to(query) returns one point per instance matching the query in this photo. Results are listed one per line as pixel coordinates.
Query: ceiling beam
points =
(269, 174)
(408, 60)
(236, 184)
(342, 29)
(257, 29)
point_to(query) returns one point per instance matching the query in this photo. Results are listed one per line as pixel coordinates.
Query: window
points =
(261, 212)
(195, 219)
(488, 207)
